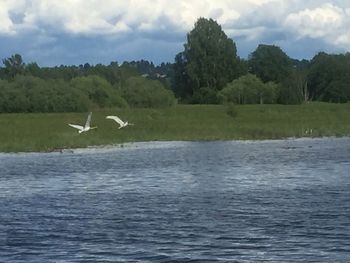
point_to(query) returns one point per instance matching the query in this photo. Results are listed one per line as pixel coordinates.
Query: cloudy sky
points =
(54, 32)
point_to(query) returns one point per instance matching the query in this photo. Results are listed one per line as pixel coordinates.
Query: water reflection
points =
(282, 201)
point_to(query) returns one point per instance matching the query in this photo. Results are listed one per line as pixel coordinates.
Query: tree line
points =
(207, 71)
(30, 88)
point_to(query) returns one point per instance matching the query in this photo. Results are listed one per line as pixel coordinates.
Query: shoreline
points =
(151, 144)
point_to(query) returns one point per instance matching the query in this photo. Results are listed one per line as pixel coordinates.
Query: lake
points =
(235, 201)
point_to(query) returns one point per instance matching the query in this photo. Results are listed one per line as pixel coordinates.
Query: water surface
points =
(265, 201)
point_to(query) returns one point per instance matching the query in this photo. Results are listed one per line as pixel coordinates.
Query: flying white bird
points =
(84, 128)
(119, 121)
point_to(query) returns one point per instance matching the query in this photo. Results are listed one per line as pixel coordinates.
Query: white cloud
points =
(113, 16)
(318, 22)
(5, 22)
(281, 22)
(79, 16)
(255, 23)
(6, 7)
(327, 22)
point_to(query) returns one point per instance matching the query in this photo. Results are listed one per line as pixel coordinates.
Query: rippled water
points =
(267, 201)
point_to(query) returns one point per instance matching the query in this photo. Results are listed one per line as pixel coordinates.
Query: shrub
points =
(142, 93)
(31, 94)
(99, 91)
(249, 89)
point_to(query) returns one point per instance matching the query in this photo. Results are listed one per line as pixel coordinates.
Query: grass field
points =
(49, 131)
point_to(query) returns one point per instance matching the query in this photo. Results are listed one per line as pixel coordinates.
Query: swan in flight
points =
(84, 128)
(119, 121)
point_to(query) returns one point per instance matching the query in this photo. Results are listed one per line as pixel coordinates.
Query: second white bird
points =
(121, 123)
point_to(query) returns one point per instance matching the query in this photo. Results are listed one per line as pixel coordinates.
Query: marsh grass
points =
(50, 131)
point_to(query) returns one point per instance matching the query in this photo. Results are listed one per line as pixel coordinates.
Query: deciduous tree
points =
(209, 61)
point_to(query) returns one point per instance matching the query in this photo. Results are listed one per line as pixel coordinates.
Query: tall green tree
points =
(209, 61)
(329, 77)
(293, 89)
(181, 86)
(33, 69)
(13, 65)
(270, 63)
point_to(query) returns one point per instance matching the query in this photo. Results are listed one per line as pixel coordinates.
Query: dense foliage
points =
(249, 89)
(208, 62)
(329, 77)
(207, 71)
(32, 94)
(29, 88)
(99, 91)
(270, 63)
(199, 79)
(142, 93)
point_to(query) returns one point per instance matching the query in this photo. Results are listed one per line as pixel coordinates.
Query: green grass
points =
(49, 131)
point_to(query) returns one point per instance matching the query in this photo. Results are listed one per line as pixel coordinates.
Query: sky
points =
(73, 32)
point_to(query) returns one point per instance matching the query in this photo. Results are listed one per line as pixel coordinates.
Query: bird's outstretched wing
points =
(79, 127)
(88, 120)
(115, 118)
